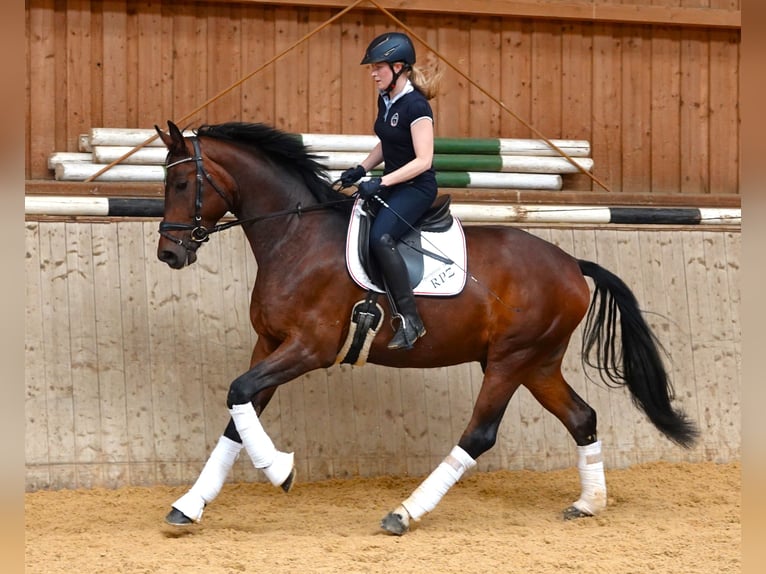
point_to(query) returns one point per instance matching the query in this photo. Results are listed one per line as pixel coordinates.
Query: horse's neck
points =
(287, 235)
(265, 196)
(265, 190)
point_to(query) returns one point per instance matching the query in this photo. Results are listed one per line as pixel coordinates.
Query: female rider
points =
(405, 128)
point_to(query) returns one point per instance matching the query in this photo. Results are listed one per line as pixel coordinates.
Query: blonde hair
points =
(426, 84)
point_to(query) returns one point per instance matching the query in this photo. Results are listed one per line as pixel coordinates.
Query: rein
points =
(298, 209)
(200, 233)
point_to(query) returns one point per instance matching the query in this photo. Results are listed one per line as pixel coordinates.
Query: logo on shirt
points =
(395, 120)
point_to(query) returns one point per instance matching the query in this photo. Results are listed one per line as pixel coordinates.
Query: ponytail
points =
(428, 85)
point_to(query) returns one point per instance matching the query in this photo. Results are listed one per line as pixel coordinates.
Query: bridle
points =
(199, 233)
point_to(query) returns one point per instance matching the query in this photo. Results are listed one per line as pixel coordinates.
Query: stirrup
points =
(406, 334)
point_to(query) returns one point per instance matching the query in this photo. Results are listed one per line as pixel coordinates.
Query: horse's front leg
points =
(189, 508)
(291, 360)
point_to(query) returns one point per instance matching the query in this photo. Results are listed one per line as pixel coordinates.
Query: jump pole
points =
(40, 205)
(344, 159)
(123, 139)
(79, 171)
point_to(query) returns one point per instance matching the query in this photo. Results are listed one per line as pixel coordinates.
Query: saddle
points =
(435, 255)
(437, 219)
(434, 251)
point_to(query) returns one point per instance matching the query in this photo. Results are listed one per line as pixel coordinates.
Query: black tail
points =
(642, 369)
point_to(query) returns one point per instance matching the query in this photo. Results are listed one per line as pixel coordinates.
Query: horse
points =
(515, 320)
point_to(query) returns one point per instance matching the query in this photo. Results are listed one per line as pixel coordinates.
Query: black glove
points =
(370, 188)
(352, 175)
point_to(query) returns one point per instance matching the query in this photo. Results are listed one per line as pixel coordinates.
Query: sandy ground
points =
(662, 518)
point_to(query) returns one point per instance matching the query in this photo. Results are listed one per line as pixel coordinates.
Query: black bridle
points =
(199, 233)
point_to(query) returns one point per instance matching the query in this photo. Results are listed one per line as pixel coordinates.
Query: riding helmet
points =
(390, 47)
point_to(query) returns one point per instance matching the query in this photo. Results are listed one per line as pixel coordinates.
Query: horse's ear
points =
(174, 139)
(163, 136)
(175, 133)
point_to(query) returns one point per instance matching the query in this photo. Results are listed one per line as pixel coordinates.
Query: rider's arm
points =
(374, 158)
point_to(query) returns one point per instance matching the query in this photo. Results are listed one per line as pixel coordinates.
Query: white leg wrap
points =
(276, 465)
(210, 480)
(591, 466)
(426, 496)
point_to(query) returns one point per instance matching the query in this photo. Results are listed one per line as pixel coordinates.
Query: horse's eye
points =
(181, 184)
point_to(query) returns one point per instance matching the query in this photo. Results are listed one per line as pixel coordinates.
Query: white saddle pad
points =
(439, 278)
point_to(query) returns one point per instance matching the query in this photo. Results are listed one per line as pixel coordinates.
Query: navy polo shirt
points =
(392, 127)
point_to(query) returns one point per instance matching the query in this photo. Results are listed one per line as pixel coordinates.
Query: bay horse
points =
(515, 320)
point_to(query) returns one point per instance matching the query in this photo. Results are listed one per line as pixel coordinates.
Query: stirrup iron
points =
(406, 335)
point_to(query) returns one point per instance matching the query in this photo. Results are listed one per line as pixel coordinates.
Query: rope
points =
(490, 96)
(230, 88)
(322, 27)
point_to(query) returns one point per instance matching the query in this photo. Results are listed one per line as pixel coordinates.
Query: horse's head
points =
(198, 193)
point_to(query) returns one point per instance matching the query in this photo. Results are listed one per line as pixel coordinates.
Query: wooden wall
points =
(654, 86)
(128, 364)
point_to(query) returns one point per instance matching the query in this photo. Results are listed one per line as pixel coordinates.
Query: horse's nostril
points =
(169, 257)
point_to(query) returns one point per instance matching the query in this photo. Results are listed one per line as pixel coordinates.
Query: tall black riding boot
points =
(394, 272)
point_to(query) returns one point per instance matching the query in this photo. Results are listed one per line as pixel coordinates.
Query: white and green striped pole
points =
(345, 159)
(80, 171)
(474, 162)
(364, 143)
(484, 179)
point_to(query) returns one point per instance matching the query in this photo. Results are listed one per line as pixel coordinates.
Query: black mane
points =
(285, 149)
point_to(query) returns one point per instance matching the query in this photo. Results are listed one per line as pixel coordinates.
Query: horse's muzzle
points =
(176, 256)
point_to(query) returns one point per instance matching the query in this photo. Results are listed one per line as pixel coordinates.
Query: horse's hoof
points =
(572, 513)
(177, 518)
(289, 481)
(396, 522)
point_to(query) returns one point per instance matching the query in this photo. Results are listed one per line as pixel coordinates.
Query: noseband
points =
(199, 233)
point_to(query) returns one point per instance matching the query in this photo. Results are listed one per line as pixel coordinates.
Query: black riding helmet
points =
(391, 47)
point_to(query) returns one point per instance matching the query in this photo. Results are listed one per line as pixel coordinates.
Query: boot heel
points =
(406, 335)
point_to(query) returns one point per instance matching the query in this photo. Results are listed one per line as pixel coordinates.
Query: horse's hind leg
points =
(553, 392)
(188, 509)
(478, 437)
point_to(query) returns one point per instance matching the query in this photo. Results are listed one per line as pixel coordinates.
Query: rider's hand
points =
(370, 188)
(352, 175)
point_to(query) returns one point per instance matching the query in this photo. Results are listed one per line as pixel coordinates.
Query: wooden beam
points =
(582, 11)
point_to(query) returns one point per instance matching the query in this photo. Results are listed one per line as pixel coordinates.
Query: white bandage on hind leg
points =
(210, 480)
(275, 465)
(426, 496)
(591, 466)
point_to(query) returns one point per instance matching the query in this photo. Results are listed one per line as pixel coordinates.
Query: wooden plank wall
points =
(658, 102)
(128, 364)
